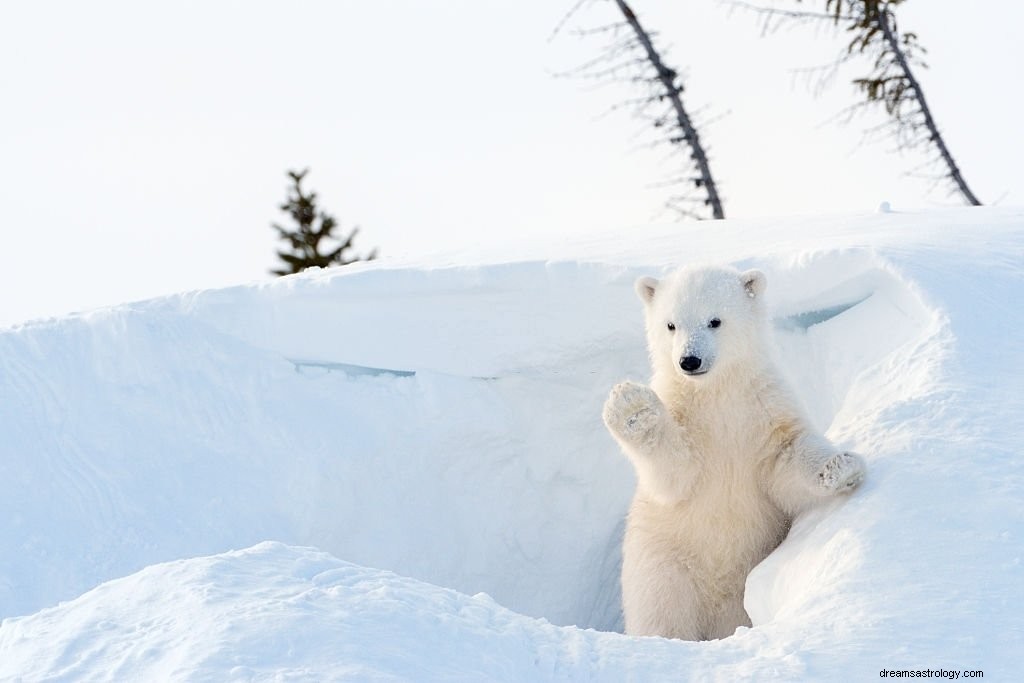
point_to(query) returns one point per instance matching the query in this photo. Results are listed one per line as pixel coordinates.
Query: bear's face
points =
(702, 319)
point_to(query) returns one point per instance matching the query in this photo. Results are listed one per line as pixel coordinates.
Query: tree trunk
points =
(882, 18)
(667, 77)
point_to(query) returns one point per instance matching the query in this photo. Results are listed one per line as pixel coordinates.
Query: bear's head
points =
(701, 320)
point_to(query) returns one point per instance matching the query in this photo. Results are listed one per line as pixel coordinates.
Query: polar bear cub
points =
(724, 456)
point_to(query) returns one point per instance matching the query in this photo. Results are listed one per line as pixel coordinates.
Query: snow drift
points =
(442, 422)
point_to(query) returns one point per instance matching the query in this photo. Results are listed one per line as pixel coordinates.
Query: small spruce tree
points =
(305, 240)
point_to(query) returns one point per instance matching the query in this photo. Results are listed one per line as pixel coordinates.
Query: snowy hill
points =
(440, 419)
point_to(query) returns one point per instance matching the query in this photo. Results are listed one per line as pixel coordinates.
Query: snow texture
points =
(441, 420)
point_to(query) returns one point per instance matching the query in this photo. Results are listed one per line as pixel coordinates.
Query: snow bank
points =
(443, 422)
(274, 612)
(172, 429)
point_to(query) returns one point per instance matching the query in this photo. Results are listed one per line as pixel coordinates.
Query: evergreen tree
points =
(305, 240)
(632, 54)
(891, 81)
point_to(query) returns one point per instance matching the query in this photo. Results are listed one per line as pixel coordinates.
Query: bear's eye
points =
(714, 322)
(671, 327)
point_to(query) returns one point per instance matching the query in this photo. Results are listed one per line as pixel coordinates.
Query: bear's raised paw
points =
(633, 410)
(843, 472)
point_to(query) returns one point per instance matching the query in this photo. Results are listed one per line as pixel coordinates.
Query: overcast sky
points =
(143, 145)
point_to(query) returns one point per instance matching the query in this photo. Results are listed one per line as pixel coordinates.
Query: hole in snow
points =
(512, 487)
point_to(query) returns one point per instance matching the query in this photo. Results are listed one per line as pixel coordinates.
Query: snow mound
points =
(274, 612)
(443, 423)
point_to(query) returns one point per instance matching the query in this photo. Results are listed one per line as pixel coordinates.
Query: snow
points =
(397, 470)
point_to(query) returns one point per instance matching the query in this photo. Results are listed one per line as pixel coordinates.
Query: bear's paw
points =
(841, 473)
(633, 410)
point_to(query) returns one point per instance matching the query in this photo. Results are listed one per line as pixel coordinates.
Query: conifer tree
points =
(891, 82)
(633, 55)
(305, 240)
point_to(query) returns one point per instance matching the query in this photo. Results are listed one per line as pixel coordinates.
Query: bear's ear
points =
(645, 287)
(754, 282)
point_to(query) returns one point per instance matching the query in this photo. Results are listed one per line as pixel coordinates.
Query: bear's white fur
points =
(724, 456)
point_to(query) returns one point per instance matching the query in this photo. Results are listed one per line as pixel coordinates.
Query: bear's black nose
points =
(689, 363)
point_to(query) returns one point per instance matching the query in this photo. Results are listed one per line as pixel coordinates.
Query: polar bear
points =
(724, 456)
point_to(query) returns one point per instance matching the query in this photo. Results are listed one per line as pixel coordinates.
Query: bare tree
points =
(891, 81)
(637, 58)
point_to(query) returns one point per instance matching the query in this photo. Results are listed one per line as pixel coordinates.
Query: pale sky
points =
(143, 146)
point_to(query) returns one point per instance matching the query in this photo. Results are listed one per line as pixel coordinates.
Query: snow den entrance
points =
(506, 482)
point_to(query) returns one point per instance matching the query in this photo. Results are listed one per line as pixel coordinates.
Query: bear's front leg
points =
(653, 441)
(810, 469)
